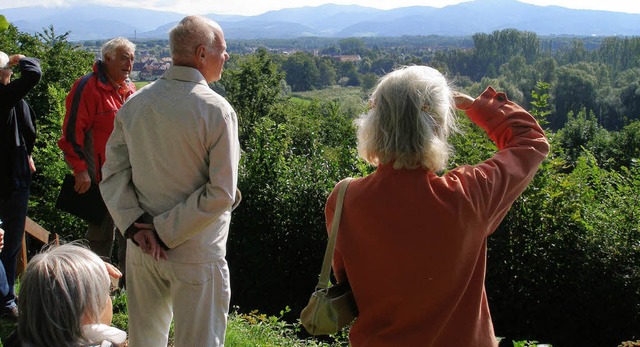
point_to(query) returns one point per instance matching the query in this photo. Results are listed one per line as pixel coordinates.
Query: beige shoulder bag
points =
(330, 308)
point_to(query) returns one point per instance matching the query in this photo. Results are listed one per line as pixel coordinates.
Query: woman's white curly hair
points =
(410, 118)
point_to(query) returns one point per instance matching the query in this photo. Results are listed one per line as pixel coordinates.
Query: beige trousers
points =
(196, 296)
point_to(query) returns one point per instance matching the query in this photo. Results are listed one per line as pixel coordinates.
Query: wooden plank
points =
(38, 232)
(35, 230)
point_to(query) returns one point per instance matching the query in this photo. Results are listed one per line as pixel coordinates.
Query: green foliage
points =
(301, 71)
(4, 24)
(294, 153)
(255, 329)
(630, 99)
(278, 232)
(561, 265)
(619, 52)
(369, 81)
(581, 133)
(526, 343)
(493, 50)
(624, 147)
(294, 156)
(540, 107)
(576, 89)
(470, 143)
(120, 317)
(6, 328)
(253, 87)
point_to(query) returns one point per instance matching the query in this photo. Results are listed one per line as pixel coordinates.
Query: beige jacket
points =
(174, 153)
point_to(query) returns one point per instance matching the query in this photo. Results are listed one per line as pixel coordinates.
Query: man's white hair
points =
(110, 47)
(191, 32)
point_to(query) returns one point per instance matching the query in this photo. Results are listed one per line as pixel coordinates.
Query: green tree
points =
(253, 87)
(383, 65)
(369, 81)
(561, 263)
(583, 133)
(301, 72)
(352, 45)
(575, 54)
(630, 99)
(575, 89)
(625, 147)
(327, 73)
(493, 50)
(288, 168)
(619, 53)
(349, 75)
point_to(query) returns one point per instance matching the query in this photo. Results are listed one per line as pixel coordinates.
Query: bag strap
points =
(323, 282)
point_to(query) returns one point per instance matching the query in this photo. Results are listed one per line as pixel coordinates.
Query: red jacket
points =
(86, 131)
(413, 244)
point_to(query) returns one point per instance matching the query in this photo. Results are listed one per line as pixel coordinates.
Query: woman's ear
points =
(107, 314)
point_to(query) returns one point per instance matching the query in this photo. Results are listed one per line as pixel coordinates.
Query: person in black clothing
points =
(17, 138)
(4, 288)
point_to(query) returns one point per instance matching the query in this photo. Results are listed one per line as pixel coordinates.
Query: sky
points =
(255, 7)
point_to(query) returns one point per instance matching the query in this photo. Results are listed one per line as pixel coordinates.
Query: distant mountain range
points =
(99, 22)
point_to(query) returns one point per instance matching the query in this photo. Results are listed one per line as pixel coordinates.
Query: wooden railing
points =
(39, 233)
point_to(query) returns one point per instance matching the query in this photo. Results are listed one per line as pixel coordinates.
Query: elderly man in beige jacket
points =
(170, 183)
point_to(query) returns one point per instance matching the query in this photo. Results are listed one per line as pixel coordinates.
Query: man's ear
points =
(201, 52)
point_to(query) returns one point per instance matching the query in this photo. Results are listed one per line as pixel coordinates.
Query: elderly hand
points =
(463, 101)
(83, 182)
(114, 275)
(32, 164)
(148, 242)
(112, 270)
(15, 59)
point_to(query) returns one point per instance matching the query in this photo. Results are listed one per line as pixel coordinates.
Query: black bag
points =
(88, 206)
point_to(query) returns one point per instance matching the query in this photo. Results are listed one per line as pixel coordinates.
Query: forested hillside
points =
(563, 266)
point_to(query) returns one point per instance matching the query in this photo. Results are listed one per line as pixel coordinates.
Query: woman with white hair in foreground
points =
(412, 241)
(64, 300)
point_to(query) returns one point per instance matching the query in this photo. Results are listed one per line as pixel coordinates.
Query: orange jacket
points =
(413, 244)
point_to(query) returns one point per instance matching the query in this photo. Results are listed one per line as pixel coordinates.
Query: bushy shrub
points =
(278, 234)
(563, 266)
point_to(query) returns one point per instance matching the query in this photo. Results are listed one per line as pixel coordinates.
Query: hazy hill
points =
(100, 22)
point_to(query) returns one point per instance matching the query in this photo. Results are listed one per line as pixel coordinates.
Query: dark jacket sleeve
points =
(13, 92)
(27, 124)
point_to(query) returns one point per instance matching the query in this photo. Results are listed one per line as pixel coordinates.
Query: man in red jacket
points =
(91, 106)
